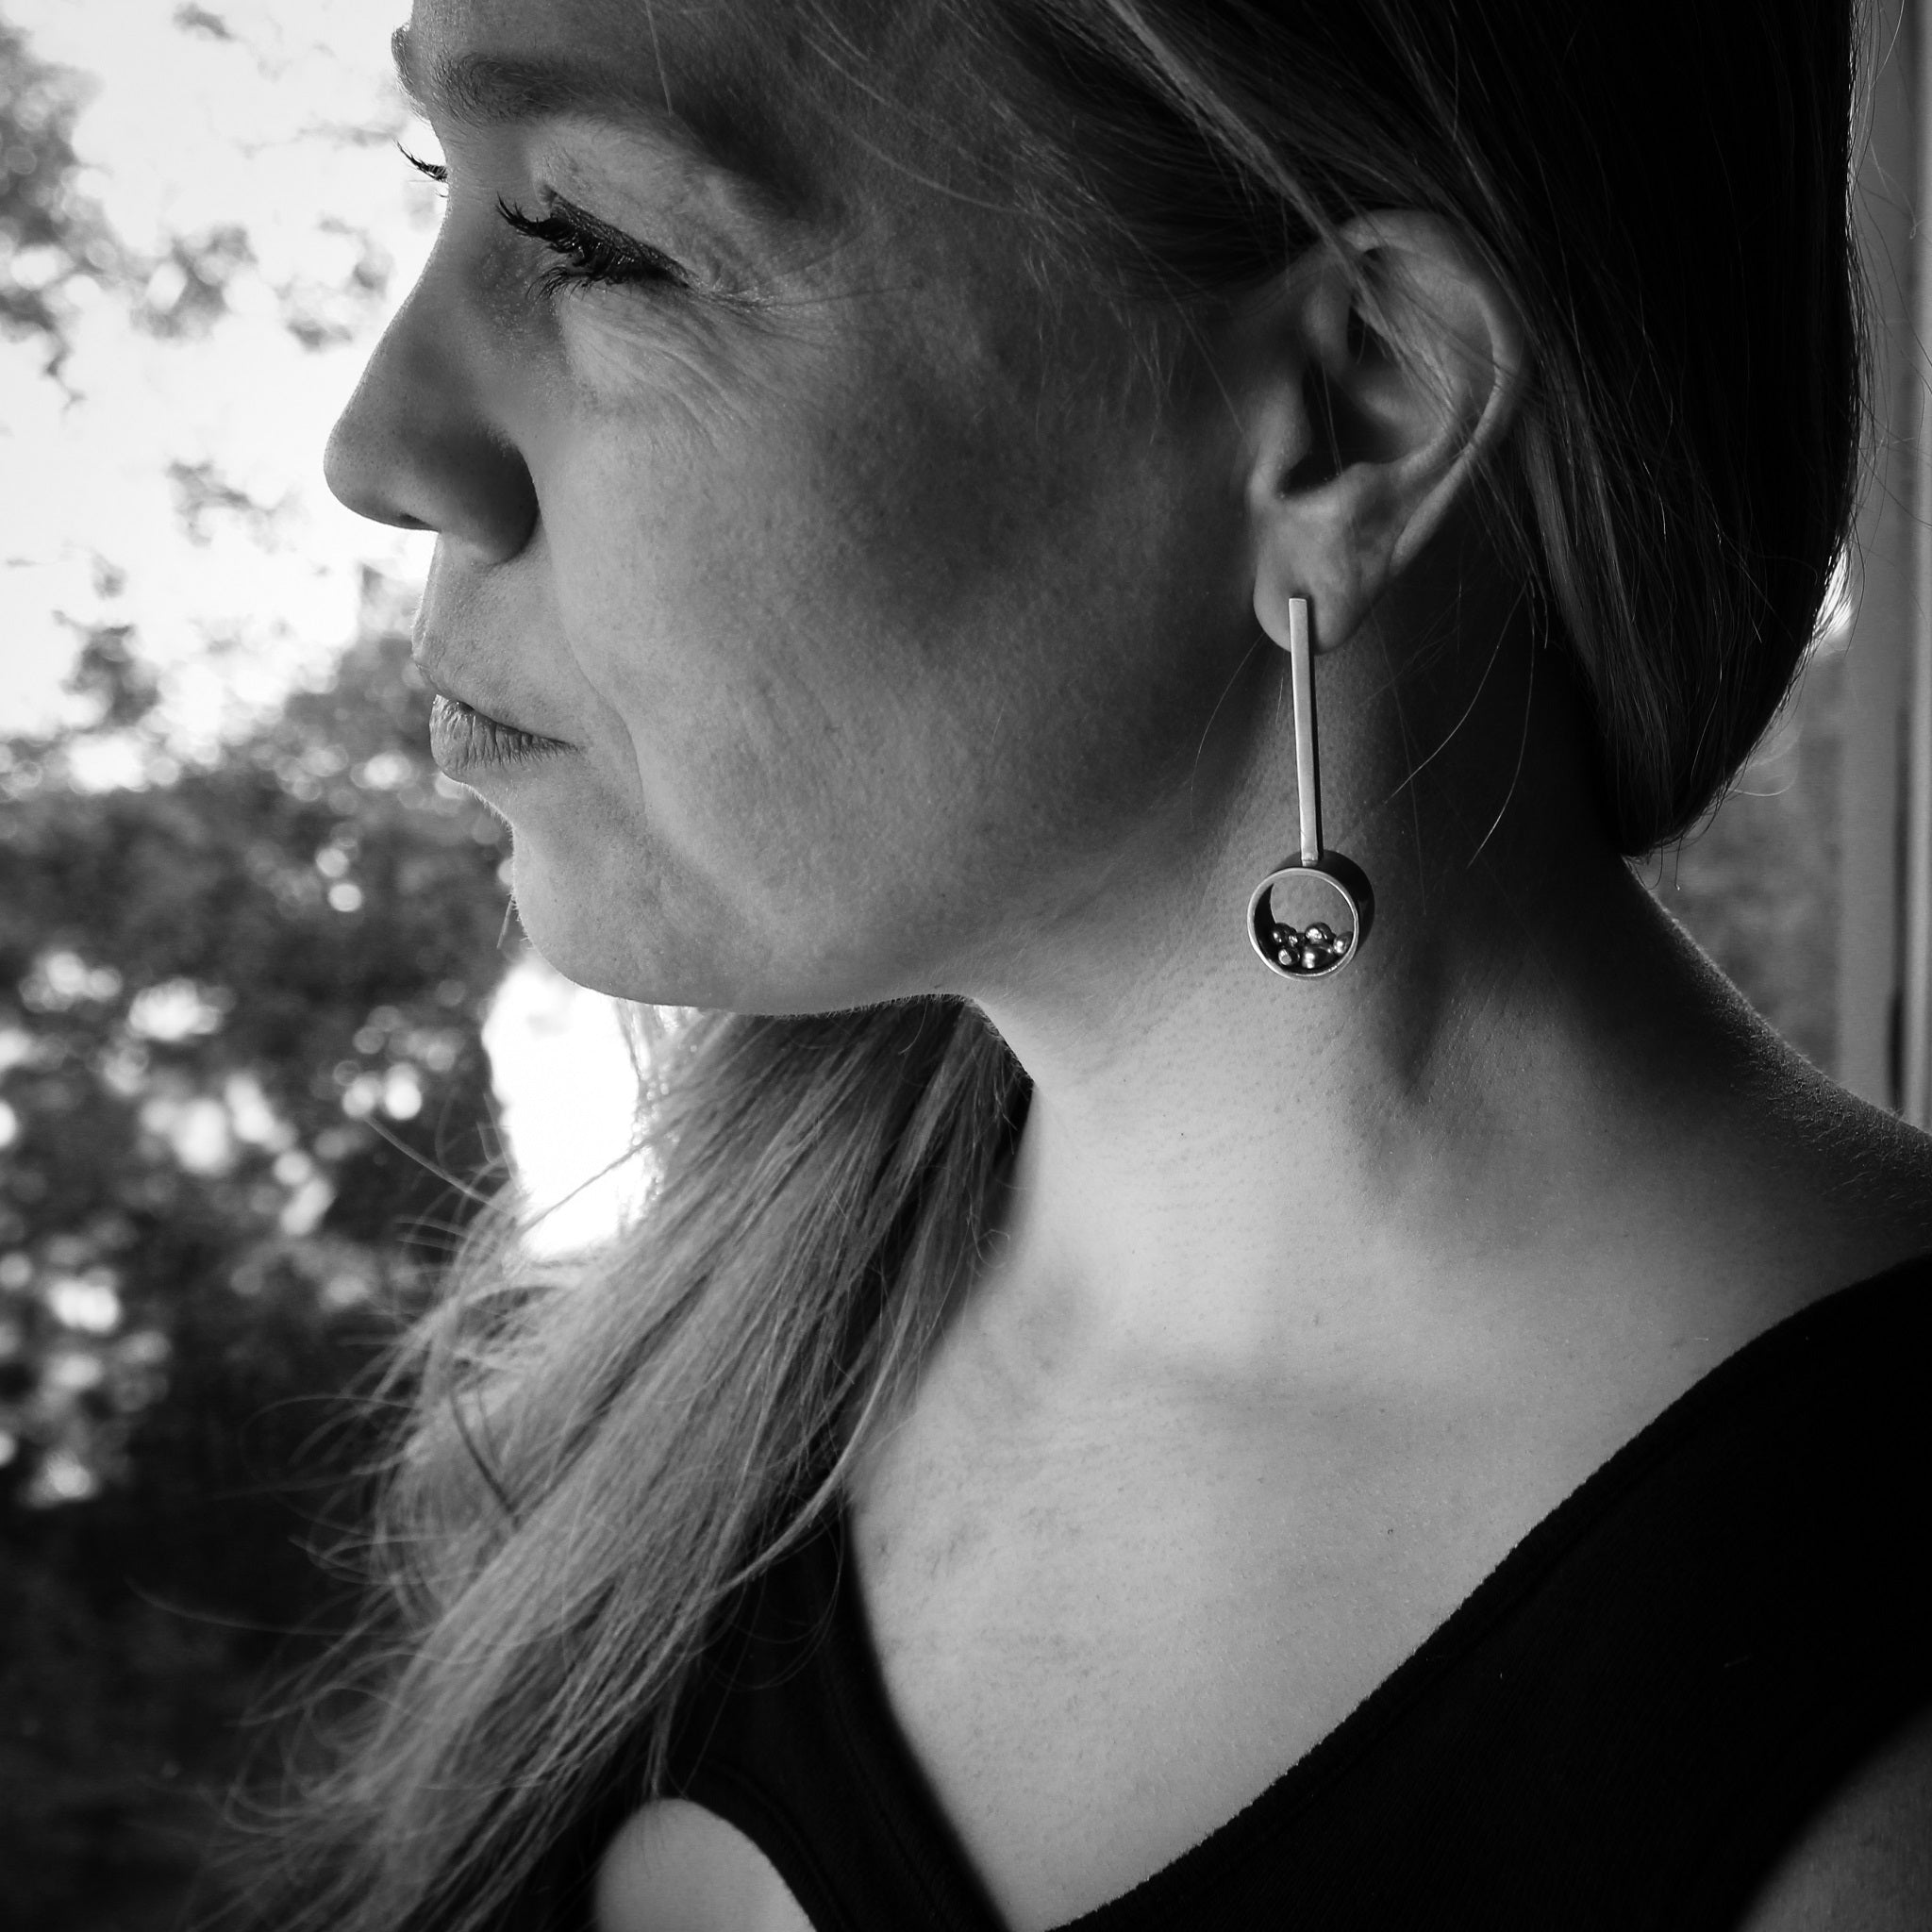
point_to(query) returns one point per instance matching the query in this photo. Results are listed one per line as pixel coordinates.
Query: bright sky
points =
(286, 130)
(278, 117)
(567, 1092)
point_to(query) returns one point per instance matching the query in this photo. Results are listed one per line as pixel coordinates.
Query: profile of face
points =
(848, 617)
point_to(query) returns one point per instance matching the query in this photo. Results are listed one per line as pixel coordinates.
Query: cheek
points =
(870, 653)
(787, 608)
(752, 696)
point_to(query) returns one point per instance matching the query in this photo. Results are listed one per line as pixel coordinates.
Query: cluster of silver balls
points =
(1311, 951)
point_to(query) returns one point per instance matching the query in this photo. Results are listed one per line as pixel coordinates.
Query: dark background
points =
(241, 1061)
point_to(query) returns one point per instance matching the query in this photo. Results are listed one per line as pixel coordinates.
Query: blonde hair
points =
(601, 1457)
(596, 1463)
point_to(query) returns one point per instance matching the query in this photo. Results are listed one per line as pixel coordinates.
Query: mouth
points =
(464, 740)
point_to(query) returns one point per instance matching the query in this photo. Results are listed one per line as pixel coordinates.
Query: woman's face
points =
(873, 620)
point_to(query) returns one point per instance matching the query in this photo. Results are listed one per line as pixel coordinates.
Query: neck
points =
(1227, 1175)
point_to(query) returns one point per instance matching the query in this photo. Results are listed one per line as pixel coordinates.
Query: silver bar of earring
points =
(1307, 778)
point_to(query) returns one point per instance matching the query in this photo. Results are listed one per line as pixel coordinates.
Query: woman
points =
(899, 473)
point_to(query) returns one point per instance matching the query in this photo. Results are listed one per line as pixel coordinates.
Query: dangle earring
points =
(1307, 920)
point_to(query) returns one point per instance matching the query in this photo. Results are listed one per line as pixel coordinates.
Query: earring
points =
(1308, 920)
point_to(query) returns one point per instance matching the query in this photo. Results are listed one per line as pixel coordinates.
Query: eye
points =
(586, 253)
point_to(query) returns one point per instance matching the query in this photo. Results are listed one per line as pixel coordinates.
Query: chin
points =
(588, 937)
(609, 935)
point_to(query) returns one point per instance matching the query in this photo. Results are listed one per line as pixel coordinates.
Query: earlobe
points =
(1339, 552)
(1387, 379)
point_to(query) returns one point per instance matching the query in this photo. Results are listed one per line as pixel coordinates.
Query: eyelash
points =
(435, 170)
(588, 253)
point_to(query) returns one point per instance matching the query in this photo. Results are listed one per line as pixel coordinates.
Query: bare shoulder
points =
(1864, 1861)
(675, 1867)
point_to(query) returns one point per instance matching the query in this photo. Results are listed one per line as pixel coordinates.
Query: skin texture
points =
(1864, 1863)
(895, 634)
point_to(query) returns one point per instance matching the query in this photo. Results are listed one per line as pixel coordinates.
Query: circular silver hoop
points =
(1317, 947)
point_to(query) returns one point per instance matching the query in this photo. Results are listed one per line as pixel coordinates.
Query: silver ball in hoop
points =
(1312, 948)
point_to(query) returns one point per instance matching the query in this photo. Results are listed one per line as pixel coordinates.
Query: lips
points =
(464, 740)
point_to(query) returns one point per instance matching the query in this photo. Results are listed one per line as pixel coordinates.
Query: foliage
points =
(50, 235)
(59, 255)
(240, 1014)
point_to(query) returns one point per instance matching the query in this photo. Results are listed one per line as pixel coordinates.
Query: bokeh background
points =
(265, 1041)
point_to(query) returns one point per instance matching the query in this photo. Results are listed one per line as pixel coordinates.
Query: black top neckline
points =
(872, 1737)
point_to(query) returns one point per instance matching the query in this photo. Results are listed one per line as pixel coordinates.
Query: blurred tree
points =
(50, 235)
(240, 1003)
(240, 1006)
(240, 1012)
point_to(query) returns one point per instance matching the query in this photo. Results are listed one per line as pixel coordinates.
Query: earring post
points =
(1308, 780)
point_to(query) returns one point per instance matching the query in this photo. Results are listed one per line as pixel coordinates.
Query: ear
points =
(1380, 382)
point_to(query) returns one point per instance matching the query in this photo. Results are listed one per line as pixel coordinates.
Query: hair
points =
(597, 1462)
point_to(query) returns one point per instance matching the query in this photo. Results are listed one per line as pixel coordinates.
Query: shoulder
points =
(675, 1867)
(1864, 1861)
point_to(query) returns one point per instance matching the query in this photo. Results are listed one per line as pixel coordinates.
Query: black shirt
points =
(1621, 1727)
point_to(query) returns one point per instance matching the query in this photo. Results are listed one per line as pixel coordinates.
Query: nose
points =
(416, 446)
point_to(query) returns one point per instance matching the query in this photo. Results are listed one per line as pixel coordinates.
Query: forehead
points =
(777, 90)
(878, 137)
(649, 42)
